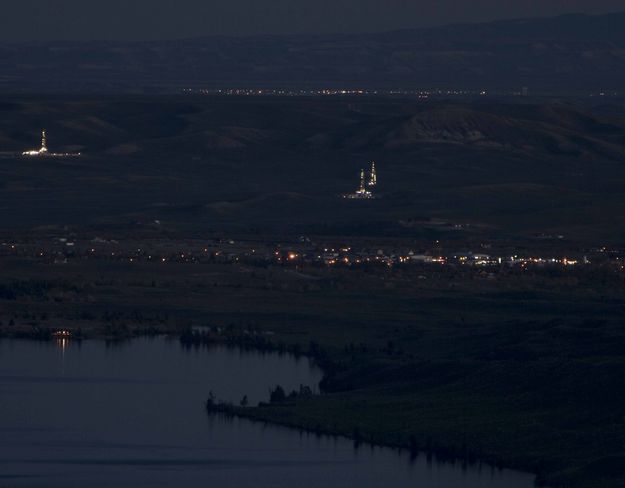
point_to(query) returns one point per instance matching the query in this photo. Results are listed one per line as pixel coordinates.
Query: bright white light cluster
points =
(43, 150)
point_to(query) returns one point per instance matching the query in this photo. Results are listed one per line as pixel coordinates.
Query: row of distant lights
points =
(294, 256)
(334, 92)
(325, 92)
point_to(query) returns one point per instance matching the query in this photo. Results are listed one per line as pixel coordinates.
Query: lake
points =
(131, 415)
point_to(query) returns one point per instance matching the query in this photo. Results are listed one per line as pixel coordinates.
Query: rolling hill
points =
(523, 167)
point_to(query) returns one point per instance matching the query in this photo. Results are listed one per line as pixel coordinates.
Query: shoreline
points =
(284, 414)
(439, 454)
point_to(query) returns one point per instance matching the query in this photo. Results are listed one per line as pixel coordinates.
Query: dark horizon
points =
(320, 34)
(497, 56)
(69, 20)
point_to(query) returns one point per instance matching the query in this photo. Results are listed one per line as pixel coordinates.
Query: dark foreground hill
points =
(563, 54)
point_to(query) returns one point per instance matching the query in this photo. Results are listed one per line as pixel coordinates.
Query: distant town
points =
(306, 251)
(522, 91)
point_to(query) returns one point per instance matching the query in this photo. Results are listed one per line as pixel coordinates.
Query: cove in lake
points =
(132, 415)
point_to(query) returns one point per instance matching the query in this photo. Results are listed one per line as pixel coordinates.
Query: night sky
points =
(27, 20)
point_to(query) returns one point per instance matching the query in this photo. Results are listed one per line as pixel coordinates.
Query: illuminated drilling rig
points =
(43, 150)
(39, 152)
(362, 188)
(373, 176)
(362, 191)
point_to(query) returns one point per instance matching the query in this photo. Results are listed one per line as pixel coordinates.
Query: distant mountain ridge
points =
(571, 27)
(559, 54)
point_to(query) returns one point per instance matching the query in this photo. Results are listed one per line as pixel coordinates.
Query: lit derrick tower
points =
(362, 188)
(362, 191)
(43, 150)
(44, 142)
(373, 178)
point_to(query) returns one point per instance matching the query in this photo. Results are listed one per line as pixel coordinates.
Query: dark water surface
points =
(132, 415)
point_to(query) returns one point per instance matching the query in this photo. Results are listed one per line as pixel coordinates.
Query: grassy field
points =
(522, 370)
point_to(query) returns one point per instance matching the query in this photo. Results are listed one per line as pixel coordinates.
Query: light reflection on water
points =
(129, 415)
